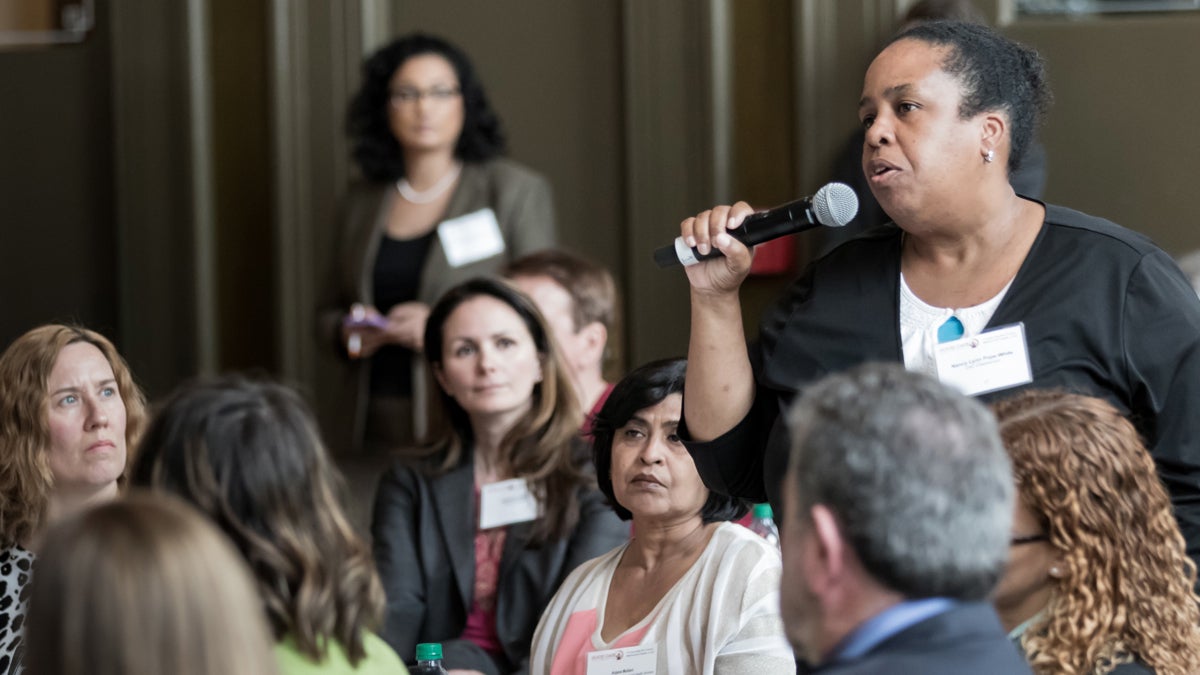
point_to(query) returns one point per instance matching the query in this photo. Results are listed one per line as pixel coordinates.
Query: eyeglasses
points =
(412, 94)
(1028, 539)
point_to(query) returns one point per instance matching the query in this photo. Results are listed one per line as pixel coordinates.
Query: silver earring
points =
(991, 155)
(1054, 572)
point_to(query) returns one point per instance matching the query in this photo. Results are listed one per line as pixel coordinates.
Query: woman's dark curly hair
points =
(996, 73)
(376, 150)
(645, 387)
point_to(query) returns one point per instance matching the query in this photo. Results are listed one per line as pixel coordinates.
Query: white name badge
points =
(631, 661)
(993, 360)
(471, 237)
(505, 503)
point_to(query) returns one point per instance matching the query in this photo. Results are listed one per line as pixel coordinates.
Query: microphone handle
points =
(668, 256)
(754, 230)
(779, 222)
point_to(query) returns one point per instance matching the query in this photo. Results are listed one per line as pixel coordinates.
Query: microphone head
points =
(835, 204)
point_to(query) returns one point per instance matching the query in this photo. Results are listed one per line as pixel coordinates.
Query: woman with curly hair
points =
(438, 205)
(248, 455)
(1098, 580)
(69, 414)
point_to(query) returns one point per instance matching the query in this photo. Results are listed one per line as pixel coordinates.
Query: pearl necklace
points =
(428, 195)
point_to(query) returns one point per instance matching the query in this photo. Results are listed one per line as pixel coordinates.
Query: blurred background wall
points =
(173, 180)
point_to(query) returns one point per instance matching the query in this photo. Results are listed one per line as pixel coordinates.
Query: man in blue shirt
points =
(899, 500)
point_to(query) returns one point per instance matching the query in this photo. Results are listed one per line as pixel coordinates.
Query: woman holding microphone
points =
(976, 285)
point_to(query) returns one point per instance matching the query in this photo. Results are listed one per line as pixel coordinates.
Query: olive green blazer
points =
(524, 208)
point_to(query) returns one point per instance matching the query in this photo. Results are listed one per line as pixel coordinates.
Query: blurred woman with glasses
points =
(438, 205)
(1097, 580)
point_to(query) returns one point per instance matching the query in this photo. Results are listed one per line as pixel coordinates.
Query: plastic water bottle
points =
(762, 523)
(429, 659)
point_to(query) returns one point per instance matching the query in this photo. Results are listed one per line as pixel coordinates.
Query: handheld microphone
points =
(834, 205)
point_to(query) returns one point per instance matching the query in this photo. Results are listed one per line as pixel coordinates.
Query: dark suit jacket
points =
(424, 534)
(966, 640)
(524, 208)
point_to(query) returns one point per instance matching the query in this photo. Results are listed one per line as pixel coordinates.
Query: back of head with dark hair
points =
(645, 387)
(996, 73)
(248, 454)
(376, 150)
(915, 474)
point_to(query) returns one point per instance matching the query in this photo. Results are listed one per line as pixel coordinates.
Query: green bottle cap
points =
(763, 511)
(429, 651)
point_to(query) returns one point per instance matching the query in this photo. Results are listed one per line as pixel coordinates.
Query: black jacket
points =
(424, 533)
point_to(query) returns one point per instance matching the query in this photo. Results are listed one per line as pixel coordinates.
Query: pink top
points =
(576, 643)
(481, 621)
(589, 420)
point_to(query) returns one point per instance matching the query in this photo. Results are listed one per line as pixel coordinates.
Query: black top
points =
(1106, 313)
(424, 531)
(397, 278)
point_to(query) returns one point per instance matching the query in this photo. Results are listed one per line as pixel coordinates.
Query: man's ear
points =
(827, 562)
(595, 337)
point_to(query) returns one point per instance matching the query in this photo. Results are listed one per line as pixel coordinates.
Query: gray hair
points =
(915, 474)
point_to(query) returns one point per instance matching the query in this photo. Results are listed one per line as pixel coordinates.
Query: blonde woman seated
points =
(249, 456)
(69, 415)
(144, 585)
(1097, 580)
(690, 593)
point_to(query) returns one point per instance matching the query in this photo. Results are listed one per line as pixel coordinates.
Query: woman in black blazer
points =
(473, 541)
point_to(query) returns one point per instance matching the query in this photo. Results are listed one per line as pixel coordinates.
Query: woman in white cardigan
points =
(690, 592)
